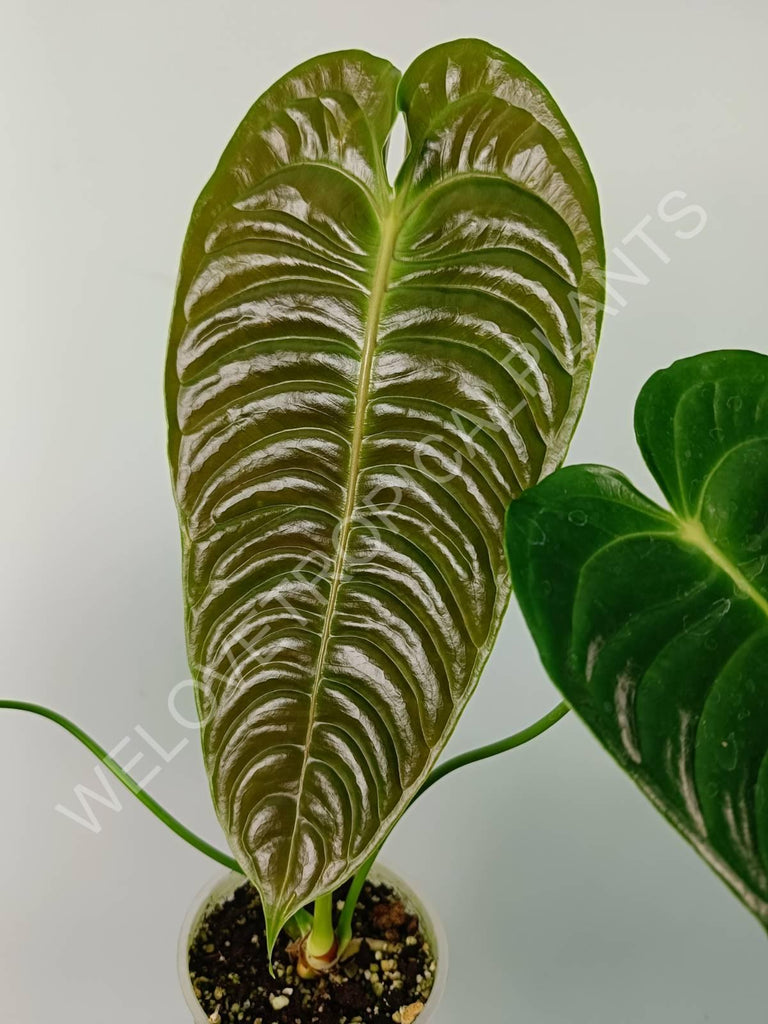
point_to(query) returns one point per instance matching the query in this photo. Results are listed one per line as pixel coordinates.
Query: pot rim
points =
(223, 884)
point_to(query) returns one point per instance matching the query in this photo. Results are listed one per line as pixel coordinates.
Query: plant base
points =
(388, 972)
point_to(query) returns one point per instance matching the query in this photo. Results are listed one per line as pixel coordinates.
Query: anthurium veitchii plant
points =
(371, 383)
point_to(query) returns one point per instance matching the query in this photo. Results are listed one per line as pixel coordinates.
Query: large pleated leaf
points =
(360, 379)
(654, 624)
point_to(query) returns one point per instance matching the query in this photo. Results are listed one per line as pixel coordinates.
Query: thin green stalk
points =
(299, 924)
(322, 938)
(500, 747)
(517, 739)
(344, 927)
(320, 929)
(131, 784)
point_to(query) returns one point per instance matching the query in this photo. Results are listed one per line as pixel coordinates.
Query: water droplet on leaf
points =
(728, 754)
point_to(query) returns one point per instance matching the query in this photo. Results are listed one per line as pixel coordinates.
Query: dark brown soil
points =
(387, 980)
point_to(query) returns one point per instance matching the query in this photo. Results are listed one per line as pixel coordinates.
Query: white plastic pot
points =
(222, 886)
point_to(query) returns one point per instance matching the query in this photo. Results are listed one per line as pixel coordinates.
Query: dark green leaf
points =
(655, 624)
(360, 379)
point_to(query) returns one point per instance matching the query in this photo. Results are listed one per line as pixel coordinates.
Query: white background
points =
(566, 898)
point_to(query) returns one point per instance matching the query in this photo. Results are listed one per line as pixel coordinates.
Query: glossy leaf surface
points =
(654, 624)
(360, 378)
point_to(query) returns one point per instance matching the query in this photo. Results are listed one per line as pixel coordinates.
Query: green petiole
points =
(152, 805)
(320, 927)
(470, 757)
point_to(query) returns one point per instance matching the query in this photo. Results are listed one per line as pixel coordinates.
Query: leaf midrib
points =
(692, 531)
(390, 226)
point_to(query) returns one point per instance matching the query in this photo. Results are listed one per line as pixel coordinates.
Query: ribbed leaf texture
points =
(361, 377)
(654, 624)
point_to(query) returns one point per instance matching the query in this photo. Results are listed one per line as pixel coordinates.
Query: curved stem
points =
(499, 747)
(152, 805)
(517, 739)
(303, 920)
